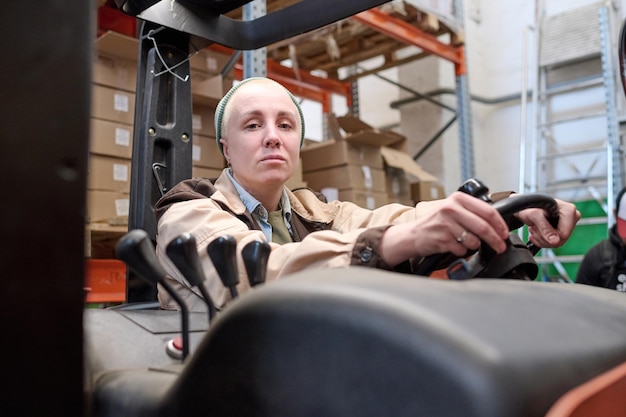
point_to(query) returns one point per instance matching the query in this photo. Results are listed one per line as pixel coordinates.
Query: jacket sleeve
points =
(352, 240)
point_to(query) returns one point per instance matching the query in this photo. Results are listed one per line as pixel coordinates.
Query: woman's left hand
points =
(542, 233)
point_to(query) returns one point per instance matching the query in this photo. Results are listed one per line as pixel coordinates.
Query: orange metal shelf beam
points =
(116, 21)
(333, 86)
(275, 68)
(301, 83)
(411, 35)
(298, 88)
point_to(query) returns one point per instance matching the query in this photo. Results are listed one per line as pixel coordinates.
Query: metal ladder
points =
(570, 144)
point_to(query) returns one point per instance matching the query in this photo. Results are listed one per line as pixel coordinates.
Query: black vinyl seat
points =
(365, 342)
(369, 343)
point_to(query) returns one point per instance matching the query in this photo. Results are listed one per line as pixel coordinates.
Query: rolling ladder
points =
(570, 144)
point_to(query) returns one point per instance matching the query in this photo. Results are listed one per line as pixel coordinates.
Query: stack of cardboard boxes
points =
(112, 117)
(113, 110)
(207, 88)
(114, 80)
(366, 166)
(361, 164)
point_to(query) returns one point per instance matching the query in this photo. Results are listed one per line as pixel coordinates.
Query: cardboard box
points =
(336, 153)
(206, 154)
(112, 104)
(426, 191)
(346, 177)
(227, 83)
(206, 89)
(200, 172)
(203, 119)
(115, 62)
(109, 174)
(107, 206)
(397, 183)
(398, 162)
(405, 201)
(115, 72)
(294, 184)
(363, 198)
(111, 138)
(296, 180)
(209, 61)
(357, 131)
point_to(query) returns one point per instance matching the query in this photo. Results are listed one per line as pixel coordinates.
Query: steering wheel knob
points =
(475, 188)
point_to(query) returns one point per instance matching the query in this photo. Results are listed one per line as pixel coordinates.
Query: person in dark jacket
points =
(604, 265)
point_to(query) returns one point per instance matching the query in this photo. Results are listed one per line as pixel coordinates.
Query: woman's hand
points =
(455, 224)
(542, 233)
(460, 222)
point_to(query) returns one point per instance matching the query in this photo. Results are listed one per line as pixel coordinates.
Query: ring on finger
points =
(461, 238)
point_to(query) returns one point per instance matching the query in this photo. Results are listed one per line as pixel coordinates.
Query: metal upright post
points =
(355, 106)
(255, 61)
(466, 145)
(613, 155)
(162, 142)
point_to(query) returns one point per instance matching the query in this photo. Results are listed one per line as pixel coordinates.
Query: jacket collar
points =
(304, 201)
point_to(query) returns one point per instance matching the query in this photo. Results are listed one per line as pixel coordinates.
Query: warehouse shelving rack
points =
(574, 54)
(384, 32)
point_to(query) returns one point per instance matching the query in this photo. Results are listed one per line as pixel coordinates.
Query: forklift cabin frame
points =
(163, 138)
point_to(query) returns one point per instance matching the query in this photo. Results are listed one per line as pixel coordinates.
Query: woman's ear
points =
(225, 150)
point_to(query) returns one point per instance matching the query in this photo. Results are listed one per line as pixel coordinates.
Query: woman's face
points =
(261, 135)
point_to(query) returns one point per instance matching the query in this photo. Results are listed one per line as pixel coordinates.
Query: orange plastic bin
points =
(105, 281)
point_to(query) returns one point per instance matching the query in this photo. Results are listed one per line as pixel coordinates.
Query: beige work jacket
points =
(328, 234)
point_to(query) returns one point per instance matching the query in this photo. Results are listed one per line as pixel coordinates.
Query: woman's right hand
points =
(455, 224)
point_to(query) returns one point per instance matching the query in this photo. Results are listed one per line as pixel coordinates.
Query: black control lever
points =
(517, 261)
(223, 254)
(476, 188)
(183, 251)
(255, 255)
(136, 249)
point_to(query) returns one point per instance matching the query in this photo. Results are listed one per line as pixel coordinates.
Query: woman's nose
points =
(272, 138)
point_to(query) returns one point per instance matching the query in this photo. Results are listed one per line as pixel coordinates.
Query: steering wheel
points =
(516, 262)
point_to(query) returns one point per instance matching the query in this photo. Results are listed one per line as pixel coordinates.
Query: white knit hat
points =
(219, 111)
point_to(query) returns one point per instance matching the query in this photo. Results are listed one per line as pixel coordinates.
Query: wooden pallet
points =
(101, 238)
(349, 42)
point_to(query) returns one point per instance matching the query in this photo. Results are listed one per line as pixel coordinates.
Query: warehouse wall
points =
(494, 33)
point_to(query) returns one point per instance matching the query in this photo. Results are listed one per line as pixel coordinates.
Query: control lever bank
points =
(366, 342)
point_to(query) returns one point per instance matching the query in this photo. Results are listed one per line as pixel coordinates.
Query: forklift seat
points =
(366, 342)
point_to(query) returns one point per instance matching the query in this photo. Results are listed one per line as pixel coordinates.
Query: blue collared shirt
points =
(259, 213)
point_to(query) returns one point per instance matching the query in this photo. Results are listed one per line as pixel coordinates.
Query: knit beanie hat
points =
(219, 111)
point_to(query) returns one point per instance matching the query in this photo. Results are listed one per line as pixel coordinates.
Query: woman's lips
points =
(273, 158)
